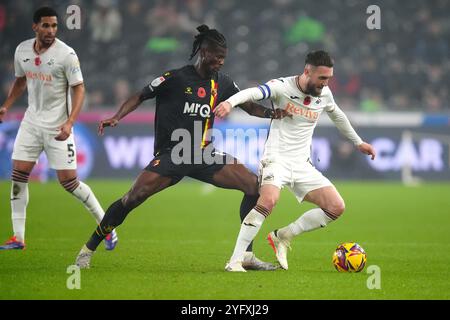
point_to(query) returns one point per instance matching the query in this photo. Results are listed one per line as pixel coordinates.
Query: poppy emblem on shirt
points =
(307, 100)
(37, 61)
(201, 92)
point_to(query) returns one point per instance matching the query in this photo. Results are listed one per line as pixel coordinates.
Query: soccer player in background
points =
(48, 68)
(185, 99)
(287, 161)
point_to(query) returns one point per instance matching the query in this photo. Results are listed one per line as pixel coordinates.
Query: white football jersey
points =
(49, 78)
(291, 138)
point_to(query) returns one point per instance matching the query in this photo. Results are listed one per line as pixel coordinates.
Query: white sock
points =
(249, 229)
(310, 220)
(87, 197)
(19, 202)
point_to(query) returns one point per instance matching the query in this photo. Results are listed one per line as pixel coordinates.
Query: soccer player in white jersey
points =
(48, 68)
(286, 159)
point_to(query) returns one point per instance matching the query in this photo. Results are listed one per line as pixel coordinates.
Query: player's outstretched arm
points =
(16, 91)
(247, 95)
(128, 106)
(343, 124)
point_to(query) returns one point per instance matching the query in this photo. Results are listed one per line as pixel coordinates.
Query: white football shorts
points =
(300, 178)
(32, 140)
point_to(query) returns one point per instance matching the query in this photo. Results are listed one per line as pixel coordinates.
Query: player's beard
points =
(214, 68)
(312, 90)
(46, 40)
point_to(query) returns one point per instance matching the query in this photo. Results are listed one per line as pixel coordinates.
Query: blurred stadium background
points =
(393, 82)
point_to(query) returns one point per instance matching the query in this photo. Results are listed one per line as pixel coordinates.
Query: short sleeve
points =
(72, 69)
(19, 73)
(231, 88)
(156, 86)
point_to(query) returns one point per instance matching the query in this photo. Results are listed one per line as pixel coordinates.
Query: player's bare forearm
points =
(255, 109)
(260, 111)
(17, 89)
(77, 102)
(128, 106)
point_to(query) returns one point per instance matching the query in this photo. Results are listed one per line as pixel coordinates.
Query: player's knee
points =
(341, 207)
(337, 208)
(268, 202)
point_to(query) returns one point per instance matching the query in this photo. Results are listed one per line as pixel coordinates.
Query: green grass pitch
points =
(175, 246)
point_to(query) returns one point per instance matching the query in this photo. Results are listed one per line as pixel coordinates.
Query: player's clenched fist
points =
(112, 122)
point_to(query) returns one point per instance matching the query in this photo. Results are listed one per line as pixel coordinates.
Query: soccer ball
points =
(349, 257)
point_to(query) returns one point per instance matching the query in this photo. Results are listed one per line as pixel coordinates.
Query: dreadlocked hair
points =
(207, 35)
